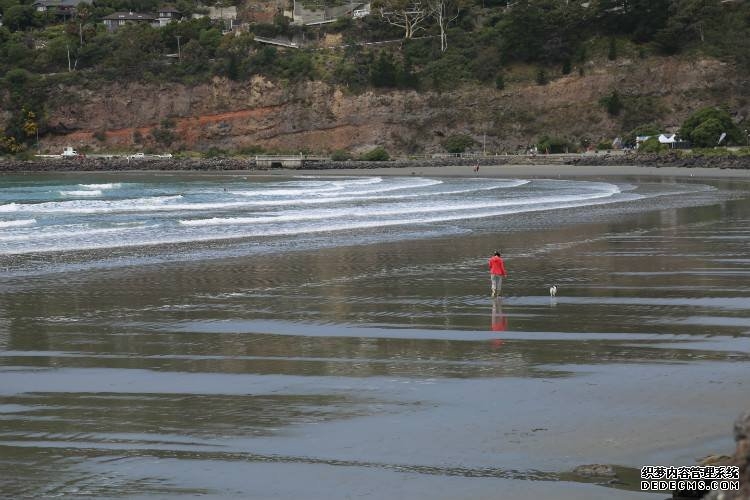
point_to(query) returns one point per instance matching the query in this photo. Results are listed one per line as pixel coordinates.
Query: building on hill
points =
(166, 15)
(114, 21)
(63, 8)
(312, 12)
(226, 15)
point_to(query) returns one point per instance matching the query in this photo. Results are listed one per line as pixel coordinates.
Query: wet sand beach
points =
(353, 350)
(544, 170)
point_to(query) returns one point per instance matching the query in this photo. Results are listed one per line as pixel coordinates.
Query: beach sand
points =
(542, 170)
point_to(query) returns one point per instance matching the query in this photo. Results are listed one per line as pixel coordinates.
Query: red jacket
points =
(497, 266)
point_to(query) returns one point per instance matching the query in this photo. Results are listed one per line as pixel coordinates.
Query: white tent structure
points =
(667, 138)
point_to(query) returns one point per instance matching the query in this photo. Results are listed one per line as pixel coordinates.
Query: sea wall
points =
(91, 164)
(665, 160)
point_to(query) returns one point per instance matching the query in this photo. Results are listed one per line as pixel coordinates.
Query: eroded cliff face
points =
(317, 117)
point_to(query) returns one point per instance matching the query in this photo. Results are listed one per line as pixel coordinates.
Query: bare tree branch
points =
(408, 15)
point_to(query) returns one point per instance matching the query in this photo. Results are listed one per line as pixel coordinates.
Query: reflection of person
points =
(499, 320)
(497, 272)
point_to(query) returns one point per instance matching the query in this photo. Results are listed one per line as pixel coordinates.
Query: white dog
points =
(553, 290)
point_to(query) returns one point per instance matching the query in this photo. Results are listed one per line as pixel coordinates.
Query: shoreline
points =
(461, 168)
(543, 170)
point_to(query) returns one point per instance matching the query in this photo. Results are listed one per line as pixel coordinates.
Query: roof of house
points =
(168, 9)
(130, 16)
(58, 3)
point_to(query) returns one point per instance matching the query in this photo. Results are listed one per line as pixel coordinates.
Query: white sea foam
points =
(415, 201)
(67, 233)
(90, 192)
(111, 185)
(17, 223)
(153, 203)
(65, 243)
(338, 189)
(401, 209)
(9, 207)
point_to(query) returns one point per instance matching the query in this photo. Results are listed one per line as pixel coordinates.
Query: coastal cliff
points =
(314, 116)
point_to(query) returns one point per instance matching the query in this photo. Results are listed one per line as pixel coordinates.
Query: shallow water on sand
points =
(217, 347)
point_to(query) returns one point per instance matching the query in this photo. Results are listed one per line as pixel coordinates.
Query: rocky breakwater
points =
(672, 159)
(91, 164)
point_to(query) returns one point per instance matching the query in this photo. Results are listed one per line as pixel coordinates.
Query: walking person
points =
(497, 273)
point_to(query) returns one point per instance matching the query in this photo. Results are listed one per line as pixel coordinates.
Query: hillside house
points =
(312, 12)
(166, 15)
(63, 8)
(226, 15)
(114, 21)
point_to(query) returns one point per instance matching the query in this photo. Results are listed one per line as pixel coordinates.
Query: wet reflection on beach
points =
(367, 363)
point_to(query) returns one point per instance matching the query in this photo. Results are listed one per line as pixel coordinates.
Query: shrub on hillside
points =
(458, 143)
(652, 145)
(376, 154)
(612, 103)
(340, 155)
(555, 145)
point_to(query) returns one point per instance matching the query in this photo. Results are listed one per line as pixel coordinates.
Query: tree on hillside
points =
(522, 32)
(640, 19)
(458, 143)
(19, 17)
(406, 14)
(444, 12)
(689, 20)
(383, 71)
(704, 128)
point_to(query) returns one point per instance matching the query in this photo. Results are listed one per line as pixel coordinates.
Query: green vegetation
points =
(376, 154)
(612, 103)
(458, 143)
(340, 155)
(652, 145)
(481, 44)
(704, 128)
(555, 145)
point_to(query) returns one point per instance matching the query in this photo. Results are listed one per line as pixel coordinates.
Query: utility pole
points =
(179, 51)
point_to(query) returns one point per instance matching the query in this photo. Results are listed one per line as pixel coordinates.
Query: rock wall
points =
(317, 117)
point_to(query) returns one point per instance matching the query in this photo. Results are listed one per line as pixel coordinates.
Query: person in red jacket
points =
(497, 273)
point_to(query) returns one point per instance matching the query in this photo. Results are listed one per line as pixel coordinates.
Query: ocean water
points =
(275, 336)
(69, 215)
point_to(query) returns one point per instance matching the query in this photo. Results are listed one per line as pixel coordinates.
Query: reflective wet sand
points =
(386, 370)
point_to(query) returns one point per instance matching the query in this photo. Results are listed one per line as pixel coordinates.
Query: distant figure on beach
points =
(476, 167)
(497, 273)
